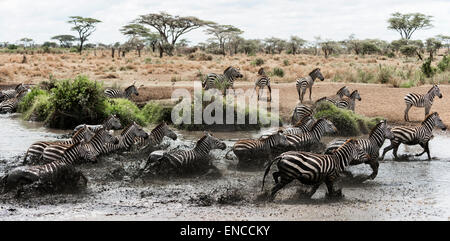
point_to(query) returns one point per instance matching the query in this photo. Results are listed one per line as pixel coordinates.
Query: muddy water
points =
(411, 189)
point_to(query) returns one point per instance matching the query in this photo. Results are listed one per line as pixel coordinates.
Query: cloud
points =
(40, 20)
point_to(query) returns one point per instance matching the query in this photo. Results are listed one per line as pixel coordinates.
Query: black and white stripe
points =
(371, 146)
(111, 123)
(10, 105)
(421, 101)
(262, 81)
(349, 102)
(302, 126)
(12, 93)
(306, 83)
(126, 138)
(226, 80)
(300, 112)
(337, 97)
(314, 169)
(415, 135)
(115, 93)
(155, 137)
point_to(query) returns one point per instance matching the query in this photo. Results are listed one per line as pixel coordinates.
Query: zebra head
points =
(327, 125)
(316, 74)
(132, 90)
(343, 92)
(280, 139)
(261, 71)
(212, 141)
(436, 120)
(355, 95)
(232, 72)
(437, 91)
(137, 130)
(387, 133)
(114, 122)
(168, 132)
(84, 133)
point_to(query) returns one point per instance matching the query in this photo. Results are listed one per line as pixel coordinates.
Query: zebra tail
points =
(268, 169)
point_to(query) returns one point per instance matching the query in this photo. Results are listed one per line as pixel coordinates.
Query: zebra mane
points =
(131, 86)
(78, 132)
(302, 121)
(321, 99)
(375, 127)
(158, 127)
(429, 117)
(229, 67)
(351, 140)
(126, 129)
(317, 122)
(314, 70)
(17, 86)
(201, 140)
(432, 88)
(261, 71)
(341, 89)
(353, 93)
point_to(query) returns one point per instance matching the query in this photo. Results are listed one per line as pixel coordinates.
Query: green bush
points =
(257, 62)
(125, 110)
(156, 113)
(347, 122)
(278, 72)
(444, 64)
(286, 62)
(40, 109)
(384, 75)
(427, 69)
(28, 100)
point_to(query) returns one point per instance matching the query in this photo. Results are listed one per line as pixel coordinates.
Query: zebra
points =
(415, 135)
(261, 81)
(126, 138)
(371, 146)
(111, 123)
(249, 150)
(300, 111)
(226, 79)
(307, 82)
(184, 160)
(12, 93)
(37, 148)
(337, 97)
(115, 93)
(417, 100)
(96, 146)
(57, 174)
(305, 140)
(349, 102)
(155, 137)
(314, 169)
(302, 126)
(10, 105)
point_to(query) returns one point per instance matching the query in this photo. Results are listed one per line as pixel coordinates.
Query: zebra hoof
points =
(335, 195)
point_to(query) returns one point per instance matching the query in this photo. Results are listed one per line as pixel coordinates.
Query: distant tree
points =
(409, 50)
(153, 39)
(445, 41)
(170, 27)
(26, 42)
(328, 47)
(407, 24)
(235, 42)
(369, 47)
(419, 47)
(65, 41)
(50, 44)
(395, 45)
(251, 46)
(432, 46)
(136, 33)
(354, 44)
(223, 33)
(84, 27)
(295, 44)
(274, 44)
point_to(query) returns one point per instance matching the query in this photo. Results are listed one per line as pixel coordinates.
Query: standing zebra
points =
(156, 136)
(115, 93)
(225, 80)
(314, 169)
(418, 100)
(261, 81)
(11, 93)
(96, 146)
(126, 138)
(300, 111)
(36, 149)
(370, 146)
(58, 175)
(349, 102)
(337, 97)
(307, 82)
(111, 123)
(184, 160)
(415, 135)
(252, 150)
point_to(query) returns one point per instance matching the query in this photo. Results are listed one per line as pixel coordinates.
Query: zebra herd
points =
(54, 163)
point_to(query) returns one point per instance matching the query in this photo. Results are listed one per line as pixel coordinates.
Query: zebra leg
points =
(386, 149)
(313, 190)
(425, 149)
(408, 106)
(310, 92)
(427, 110)
(283, 182)
(270, 93)
(332, 192)
(395, 151)
(374, 165)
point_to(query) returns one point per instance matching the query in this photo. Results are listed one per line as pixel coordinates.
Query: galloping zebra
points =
(337, 97)
(226, 79)
(305, 140)
(111, 123)
(10, 105)
(115, 93)
(370, 146)
(37, 148)
(156, 136)
(249, 150)
(302, 126)
(307, 82)
(11, 93)
(418, 100)
(314, 169)
(59, 174)
(300, 111)
(349, 102)
(415, 135)
(183, 160)
(96, 146)
(262, 81)
(126, 138)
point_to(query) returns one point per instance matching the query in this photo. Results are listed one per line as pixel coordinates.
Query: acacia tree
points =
(170, 27)
(27, 42)
(85, 27)
(295, 43)
(432, 45)
(407, 24)
(223, 33)
(136, 33)
(445, 41)
(65, 41)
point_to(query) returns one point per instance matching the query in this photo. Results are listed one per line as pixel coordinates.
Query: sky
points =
(335, 20)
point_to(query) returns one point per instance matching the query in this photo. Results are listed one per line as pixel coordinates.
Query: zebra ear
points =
(134, 82)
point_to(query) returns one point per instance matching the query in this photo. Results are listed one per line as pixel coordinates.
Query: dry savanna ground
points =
(160, 77)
